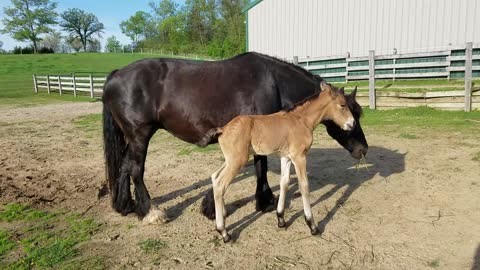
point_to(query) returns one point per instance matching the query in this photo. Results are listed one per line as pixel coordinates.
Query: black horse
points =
(189, 98)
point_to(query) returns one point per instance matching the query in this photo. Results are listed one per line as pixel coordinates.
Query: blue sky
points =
(109, 12)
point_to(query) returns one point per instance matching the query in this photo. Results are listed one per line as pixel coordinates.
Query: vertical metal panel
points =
(315, 28)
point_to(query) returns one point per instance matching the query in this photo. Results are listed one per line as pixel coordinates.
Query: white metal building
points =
(318, 28)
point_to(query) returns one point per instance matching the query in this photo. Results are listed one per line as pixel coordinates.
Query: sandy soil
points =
(417, 208)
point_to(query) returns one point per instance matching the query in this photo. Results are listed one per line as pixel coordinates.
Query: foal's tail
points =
(114, 146)
(209, 136)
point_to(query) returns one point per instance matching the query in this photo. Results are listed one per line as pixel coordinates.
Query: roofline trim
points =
(251, 5)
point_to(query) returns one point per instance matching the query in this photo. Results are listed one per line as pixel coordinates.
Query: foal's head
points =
(337, 109)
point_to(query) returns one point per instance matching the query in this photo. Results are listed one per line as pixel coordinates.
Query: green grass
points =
(16, 212)
(189, 149)
(421, 117)
(476, 157)
(46, 240)
(6, 244)
(408, 136)
(434, 264)
(89, 123)
(152, 245)
(16, 83)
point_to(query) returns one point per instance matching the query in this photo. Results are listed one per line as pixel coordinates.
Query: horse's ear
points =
(341, 91)
(354, 92)
(324, 86)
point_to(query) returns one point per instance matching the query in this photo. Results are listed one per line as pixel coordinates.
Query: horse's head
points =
(337, 109)
(354, 141)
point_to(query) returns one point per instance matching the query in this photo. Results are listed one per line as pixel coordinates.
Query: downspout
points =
(246, 31)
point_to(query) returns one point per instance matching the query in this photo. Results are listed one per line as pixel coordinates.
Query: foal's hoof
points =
(227, 238)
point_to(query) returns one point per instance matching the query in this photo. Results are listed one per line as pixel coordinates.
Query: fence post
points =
(468, 77)
(371, 80)
(59, 85)
(48, 84)
(74, 85)
(91, 86)
(295, 60)
(35, 87)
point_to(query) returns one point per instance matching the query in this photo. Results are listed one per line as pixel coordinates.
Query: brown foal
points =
(288, 134)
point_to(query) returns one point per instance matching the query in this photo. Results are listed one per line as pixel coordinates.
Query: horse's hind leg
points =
(221, 180)
(265, 201)
(284, 179)
(300, 164)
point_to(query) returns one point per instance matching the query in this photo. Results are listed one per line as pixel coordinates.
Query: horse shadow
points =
(476, 259)
(325, 167)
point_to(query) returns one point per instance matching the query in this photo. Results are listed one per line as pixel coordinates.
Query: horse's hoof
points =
(266, 202)
(155, 216)
(314, 231)
(281, 223)
(227, 238)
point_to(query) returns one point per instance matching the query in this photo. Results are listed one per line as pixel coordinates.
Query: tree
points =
(1, 44)
(75, 43)
(82, 25)
(52, 41)
(164, 9)
(94, 46)
(113, 45)
(27, 20)
(136, 26)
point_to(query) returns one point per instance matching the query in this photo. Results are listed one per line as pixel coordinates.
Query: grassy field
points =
(16, 85)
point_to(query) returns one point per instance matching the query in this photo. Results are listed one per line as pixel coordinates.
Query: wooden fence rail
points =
(69, 83)
(456, 63)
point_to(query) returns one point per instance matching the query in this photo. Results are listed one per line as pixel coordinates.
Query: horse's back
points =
(188, 98)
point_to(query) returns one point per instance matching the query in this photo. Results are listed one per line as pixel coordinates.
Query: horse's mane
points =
(283, 63)
(354, 107)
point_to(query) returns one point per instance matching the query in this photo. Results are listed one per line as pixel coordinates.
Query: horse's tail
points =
(209, 136)
(114, 145)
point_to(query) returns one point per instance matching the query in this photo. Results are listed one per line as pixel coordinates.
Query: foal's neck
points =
(313, 111)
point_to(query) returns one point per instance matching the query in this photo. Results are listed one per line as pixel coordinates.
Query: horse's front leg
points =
(300, 164)
(265, 201)
(138, 152)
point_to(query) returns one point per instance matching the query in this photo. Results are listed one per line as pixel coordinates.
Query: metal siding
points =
(314, 28)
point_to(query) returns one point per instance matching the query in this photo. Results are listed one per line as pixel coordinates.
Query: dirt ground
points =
(418, 207)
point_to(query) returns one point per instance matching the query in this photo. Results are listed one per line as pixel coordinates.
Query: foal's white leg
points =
(219, 203)
(300, 164)
(220, 184)
(284, 179)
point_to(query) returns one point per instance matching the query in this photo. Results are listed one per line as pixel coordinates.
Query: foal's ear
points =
(354, 92)
(324, 86)
(341, 91)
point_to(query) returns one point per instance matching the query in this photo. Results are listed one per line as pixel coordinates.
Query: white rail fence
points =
(456, 63)
(70, 84)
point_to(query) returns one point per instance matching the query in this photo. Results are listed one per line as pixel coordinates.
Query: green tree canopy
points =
(113, 45)
(136, 26)
(27, 20)
(53, 41)
(82, 25)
